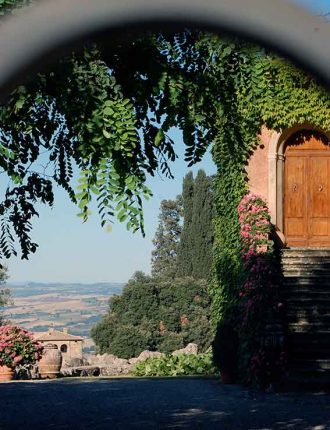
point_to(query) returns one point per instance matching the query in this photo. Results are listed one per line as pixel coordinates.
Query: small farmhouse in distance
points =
(69, 345)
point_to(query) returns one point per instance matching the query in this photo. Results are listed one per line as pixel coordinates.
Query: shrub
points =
(225, 349)
(130, 341)
(259, 293)
(171, 342)
(18, 347)
(155, 314)
(170, 365)
(263, 362)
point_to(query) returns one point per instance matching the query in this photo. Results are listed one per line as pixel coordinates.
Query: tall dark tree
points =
(4, 292)
(166, 241)
(202, 226)
(184, 267)
(195, 249)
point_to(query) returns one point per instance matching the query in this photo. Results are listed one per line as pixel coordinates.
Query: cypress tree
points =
(202, 226)
(5, 297)
(195, 248)
(166, 240)
(184, 260)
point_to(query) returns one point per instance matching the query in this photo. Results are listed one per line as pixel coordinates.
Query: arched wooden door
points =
(307, 190)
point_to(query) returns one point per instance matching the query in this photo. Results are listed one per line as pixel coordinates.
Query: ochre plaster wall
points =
(258, 166)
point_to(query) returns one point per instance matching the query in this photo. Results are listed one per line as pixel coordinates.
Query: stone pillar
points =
(272, 187)
(280, 189)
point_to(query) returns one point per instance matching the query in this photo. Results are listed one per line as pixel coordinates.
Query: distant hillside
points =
(38, 306)
(38, 288)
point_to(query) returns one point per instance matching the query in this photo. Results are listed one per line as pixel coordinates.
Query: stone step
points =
(305, 260)
(313, 327)
(307, 380)
(309, 364)
(319, 339)
(316, 327)
(305, 264)
(306, 290)
(311, 312)
(321, 322)
(302, 298)
(321, 253)
(307, 351)
(312, 304)
(306, 272)
(305, 252)
(304, 269)
(309, 298)
(323, 282)
(315, 302)
(303, 316)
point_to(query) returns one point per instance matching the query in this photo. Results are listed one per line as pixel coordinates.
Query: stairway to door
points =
(307, 294)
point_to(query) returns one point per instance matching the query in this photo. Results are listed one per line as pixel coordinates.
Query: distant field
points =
(77, 307)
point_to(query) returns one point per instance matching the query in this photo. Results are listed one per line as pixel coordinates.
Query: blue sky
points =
(316, 6)
(70, 251)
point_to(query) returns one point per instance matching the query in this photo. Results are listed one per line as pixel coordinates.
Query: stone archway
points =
(28, 40)
(306, 190)
(277, 145)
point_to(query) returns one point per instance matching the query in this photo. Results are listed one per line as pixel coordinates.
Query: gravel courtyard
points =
(177, 403)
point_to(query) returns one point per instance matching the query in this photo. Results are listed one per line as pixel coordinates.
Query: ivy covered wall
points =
(260, 89)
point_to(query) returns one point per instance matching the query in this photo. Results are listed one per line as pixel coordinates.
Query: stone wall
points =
(110, 365)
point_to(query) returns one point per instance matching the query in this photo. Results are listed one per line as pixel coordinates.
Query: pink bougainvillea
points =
(259, 295)
(257, 250)
(255, 226)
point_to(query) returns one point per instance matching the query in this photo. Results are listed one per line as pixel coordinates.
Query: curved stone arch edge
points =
(29, 38)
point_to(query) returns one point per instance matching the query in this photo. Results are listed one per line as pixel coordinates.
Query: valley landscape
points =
(76, 307)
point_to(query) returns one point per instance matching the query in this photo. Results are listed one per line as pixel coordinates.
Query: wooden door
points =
(307, 191)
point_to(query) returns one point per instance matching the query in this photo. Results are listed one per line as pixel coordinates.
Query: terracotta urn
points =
(50, 363)
(6, 373)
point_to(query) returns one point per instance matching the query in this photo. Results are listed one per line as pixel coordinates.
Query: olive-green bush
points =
(171, 365)
(155, 314)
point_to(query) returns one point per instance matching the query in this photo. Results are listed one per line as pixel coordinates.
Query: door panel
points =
(318, 187)
(318, 201)
(295, 200)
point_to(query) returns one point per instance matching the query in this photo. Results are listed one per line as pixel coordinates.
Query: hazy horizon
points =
(13, 283)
